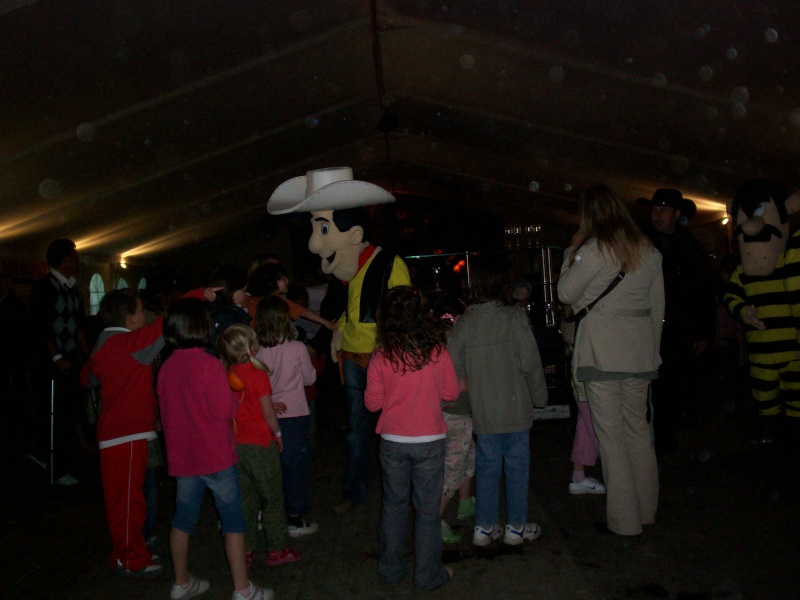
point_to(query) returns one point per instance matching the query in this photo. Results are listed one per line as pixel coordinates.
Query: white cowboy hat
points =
(325, 189)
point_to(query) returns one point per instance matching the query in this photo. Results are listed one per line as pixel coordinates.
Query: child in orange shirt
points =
(272, 279)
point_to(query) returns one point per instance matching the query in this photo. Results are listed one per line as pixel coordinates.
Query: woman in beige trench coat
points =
(616, 349)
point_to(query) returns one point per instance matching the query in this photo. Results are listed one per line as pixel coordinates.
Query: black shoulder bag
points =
(569, 325)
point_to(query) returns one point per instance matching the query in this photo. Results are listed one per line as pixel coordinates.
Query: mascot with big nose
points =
(340, 237)
(764, 293)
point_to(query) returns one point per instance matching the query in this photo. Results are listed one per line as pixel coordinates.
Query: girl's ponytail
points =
(237, 345)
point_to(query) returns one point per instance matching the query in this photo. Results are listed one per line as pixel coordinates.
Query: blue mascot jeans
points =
(359, 434)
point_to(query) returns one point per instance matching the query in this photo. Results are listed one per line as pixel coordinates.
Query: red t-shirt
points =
(250, 425)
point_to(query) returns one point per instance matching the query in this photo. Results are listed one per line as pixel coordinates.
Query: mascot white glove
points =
(336, 345)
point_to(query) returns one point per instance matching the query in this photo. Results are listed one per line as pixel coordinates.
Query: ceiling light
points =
(725, 220)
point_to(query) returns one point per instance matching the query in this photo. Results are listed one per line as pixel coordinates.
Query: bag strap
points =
(585, 310)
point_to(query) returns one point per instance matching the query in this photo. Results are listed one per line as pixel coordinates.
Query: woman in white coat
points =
(616, 349)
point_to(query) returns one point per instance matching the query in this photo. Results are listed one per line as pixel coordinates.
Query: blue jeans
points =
(227, 498)
(491, 451)
(421, 467)
(359, 435)
(296, 465)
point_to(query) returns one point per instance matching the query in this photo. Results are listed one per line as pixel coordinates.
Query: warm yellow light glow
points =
(123, 264)
(725, 220)
(704, 204)
(710, 205)
(23, 224)
(107, 235)
(159, 244)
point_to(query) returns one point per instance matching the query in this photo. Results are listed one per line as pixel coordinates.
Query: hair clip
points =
(446, 317)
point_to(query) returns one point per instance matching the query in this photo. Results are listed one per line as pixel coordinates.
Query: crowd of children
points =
(231, 396)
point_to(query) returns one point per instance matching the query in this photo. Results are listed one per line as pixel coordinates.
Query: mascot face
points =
(761, 236)
(339, 250)
(762, 225)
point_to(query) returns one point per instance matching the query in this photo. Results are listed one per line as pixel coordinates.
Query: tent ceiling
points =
(142, 129)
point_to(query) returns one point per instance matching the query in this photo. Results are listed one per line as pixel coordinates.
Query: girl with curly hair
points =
(408, 377)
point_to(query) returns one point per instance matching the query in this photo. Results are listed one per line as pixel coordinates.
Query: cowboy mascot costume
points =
(340, 236)
(762, 294)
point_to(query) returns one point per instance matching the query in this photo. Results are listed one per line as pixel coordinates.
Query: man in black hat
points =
(690, 314)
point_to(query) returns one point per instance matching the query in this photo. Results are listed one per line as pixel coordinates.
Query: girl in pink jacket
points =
(408, 377)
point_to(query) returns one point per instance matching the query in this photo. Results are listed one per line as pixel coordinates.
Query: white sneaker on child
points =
(590, 485)
(253, 592)
(484, 537)
(305, 528)
(148, 571)
(516, 535)
(195, 587)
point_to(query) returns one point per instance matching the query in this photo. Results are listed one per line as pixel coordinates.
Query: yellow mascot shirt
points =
(360, 337)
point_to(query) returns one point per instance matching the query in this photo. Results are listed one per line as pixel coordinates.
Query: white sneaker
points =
(66, 480)
(148, 571)
(305, 529)
(195, 587)
(590, 485)
(525, 533)
(483, 537)
(254, 593)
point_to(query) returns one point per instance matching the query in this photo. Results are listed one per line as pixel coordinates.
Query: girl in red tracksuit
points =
(120, 365)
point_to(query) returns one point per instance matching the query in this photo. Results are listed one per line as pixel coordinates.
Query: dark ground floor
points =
(727, 528)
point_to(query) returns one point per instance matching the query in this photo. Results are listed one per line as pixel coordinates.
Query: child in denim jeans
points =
(409, 375)
(291, 372)
(494, 349)
(197, 408)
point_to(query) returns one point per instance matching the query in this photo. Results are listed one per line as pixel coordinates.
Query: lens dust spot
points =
(556, 74)
(740, 94)
(738, 110)
(85, 132)
(705, 73)
(467, 61)
(49, 189)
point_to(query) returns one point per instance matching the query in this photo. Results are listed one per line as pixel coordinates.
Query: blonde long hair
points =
(237, 345)
(605, 218)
